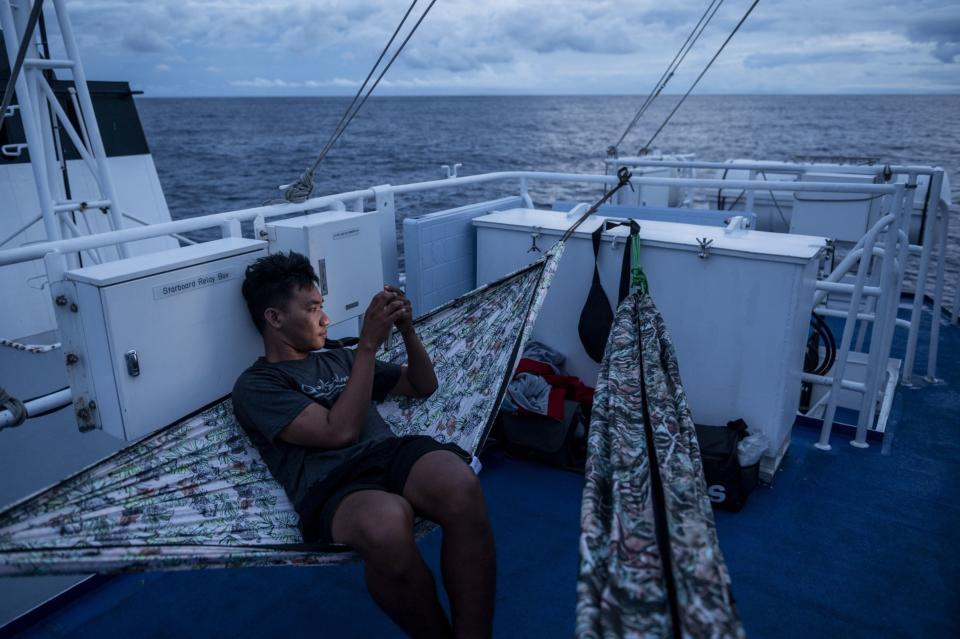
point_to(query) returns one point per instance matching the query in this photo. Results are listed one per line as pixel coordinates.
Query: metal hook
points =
(12, 150)
(533, 237)
(704, 247)
(451, 173)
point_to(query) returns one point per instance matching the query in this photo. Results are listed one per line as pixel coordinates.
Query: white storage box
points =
(738, 317)
(153, 338)
(840, 216)
(344, 249)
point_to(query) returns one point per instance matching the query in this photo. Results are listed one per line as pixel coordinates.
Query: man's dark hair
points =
(272, 280)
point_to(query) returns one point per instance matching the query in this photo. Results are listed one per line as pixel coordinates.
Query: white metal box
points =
(840, 216)
(153, 338)
(738, 316)
(344, 249)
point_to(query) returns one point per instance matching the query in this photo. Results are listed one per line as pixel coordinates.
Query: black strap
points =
(739, 427)
(596, 317)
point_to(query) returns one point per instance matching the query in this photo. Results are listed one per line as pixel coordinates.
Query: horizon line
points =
(143, 96)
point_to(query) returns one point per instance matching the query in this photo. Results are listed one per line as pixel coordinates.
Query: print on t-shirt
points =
(326, 391)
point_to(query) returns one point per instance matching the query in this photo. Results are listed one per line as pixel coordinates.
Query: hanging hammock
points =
(196, 494)
(650, 564)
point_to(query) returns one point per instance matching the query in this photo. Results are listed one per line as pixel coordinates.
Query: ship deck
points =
(852, 543)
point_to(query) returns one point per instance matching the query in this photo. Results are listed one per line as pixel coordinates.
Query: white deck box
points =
(344, 249)
(151, 339)
(751, 297)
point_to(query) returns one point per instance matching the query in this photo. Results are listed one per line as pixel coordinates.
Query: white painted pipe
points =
(853, 255)
(39, 405)
(47, 63)
(827, 380)
(919, 292)
(792, 167)
(841, 287)
(880, 339)
(943, 231)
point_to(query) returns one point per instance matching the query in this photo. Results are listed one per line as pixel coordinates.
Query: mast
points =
(41, 115)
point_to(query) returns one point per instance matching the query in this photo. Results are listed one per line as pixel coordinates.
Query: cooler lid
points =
(313, 219)
(163, 261)
(751, 243)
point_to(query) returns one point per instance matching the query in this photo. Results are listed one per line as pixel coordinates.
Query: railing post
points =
(884, 319)
(385, 202)
(943, 229)
(916, 311)
(231, 228)
(525, 193)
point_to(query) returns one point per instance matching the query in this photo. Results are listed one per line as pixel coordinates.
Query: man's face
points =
(303, 324)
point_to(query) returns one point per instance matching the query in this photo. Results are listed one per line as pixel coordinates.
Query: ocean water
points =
(218, 154)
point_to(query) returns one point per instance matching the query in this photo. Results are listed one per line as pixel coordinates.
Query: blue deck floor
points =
(846, 543)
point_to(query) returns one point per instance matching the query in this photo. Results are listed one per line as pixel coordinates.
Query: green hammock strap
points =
(638, 279)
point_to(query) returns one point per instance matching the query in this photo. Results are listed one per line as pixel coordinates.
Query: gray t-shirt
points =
(268, 396)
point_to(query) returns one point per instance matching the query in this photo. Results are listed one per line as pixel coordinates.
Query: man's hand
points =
(405, 322)
(385, 310)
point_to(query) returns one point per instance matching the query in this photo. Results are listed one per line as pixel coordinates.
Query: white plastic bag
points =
(751, 448)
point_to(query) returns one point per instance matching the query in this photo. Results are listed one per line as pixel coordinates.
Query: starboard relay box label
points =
(167, 289)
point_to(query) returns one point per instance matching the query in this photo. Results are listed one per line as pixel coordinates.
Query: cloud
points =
(942, 30)
(535, 46)
(163, 68)
(440, 56)
(264, 83)
(671, 17)
(144, 41)
(277, 83)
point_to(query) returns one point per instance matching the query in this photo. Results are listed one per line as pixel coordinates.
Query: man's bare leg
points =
(379, 525)
(444, 489)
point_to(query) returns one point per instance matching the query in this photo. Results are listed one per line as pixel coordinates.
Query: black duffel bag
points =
(728, 483)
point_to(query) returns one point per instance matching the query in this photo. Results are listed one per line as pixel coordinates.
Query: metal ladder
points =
(43, 119)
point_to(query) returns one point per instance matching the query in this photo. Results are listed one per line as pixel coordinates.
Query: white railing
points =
(935, 230)
(355, 198)
(881, 313)
(884, 287)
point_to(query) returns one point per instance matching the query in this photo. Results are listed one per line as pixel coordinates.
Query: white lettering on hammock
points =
(200, 281)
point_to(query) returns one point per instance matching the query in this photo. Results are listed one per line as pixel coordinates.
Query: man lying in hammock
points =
(311, 416)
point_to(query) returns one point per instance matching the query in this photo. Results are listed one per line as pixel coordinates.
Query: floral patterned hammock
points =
(197, 495)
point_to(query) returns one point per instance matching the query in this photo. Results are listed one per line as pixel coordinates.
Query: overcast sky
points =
(326, 47)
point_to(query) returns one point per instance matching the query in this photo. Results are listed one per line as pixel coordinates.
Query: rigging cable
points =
(623, 179)
(669, 71)
(300, 190)
(699, 77)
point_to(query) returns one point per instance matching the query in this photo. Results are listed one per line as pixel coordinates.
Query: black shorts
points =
(385, 466)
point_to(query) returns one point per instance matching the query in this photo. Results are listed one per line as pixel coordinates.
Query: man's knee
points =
(460, 498)
(379, 526)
